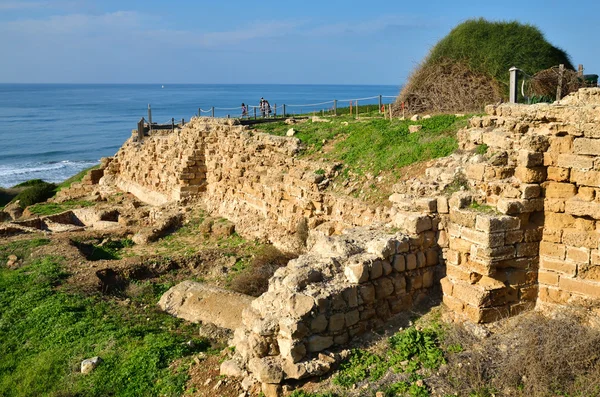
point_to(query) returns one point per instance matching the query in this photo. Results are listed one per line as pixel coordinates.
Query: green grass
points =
(110, 250)
(20, 248)
(409, 351)
(46, 332)
(376, 145)
(56, 208)
(76, 178)
(481, 149)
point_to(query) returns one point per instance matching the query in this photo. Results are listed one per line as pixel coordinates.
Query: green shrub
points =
(36, 194)
(492, 48)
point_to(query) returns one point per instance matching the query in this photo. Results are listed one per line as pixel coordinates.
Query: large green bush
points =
(491, 48)
(37, 193)
(468, 68)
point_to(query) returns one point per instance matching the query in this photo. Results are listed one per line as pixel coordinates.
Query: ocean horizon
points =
(52, 131)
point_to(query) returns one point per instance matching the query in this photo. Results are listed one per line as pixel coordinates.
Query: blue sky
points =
(234, 41)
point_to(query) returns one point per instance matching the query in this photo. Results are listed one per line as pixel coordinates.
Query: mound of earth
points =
(468, 68)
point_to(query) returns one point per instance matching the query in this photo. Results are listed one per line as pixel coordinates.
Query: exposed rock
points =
(89, 364)
(414, 128)
(290, 132)
(198, 302)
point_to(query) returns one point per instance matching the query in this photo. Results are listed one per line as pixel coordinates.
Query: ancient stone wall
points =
(161, 168)
(254, 179)
(541, 174)
(342, 287)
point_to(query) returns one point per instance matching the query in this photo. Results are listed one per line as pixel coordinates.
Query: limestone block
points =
(530, 159)
(558, 174)
(578, 162)
(548, 278)
(587, 288)
(587, 146)
(375, 270)
(383, 288)
(463, 217)
(528, 249)
(412, 223)
(367, 293)
(266, 369)
(357, 273)
(586, 193)
(411, 261)
(531, 174)
(484, 255)
(319, 324)
(583, 208)
(579, 255)
(491, 223)
(552, 250)
(399, 263)
(529, 191)
(382, 248)
(291, 350)
(513, 207)
(484, 239)
(581, 238)
(352, 318)
(337, 322)
(586, 178)
(317, 343)
(559, 190)
(442, 205)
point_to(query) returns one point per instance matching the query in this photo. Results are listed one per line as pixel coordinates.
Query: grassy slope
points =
(46, 332)
(493, 47)
(376, 145)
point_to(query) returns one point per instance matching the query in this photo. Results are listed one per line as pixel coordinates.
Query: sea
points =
(53, 131)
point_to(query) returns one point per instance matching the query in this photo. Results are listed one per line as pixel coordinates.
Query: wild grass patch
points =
(46, 332)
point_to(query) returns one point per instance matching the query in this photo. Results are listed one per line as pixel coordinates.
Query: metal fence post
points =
(357, 109)
(182, 122)
(335, 107)
(512, 97)
(199, 112)
(561, 71)
(380, 103)
(172, 124)
(284, 113)
(254, 107)
(212, 111)
(140, 130)
(149, 119)
(275, 113)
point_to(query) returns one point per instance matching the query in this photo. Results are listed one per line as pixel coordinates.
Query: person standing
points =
(262, 107)
(244, 110)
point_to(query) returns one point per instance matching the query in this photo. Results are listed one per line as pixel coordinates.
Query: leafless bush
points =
(447, 86)
(538, 357)
(544, 83)
(254, 280)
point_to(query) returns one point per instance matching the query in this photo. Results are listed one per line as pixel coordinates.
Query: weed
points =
(460, 182)
(253, 278)
(302, 393)
(481, 149)
(487, 209)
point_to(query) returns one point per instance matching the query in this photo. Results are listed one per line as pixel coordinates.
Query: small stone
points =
(290, 132)
(89, 364)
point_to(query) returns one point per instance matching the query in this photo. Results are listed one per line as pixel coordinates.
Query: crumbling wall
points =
(163, 167)
(254, 179)
(342, 287)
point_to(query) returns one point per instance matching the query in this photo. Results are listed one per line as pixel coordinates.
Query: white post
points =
(512, 98)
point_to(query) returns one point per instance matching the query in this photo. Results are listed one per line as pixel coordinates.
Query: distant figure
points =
(263, 108)
(244, 110)
(267, 108)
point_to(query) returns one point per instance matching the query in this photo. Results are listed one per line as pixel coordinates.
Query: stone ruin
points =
(523, 232)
